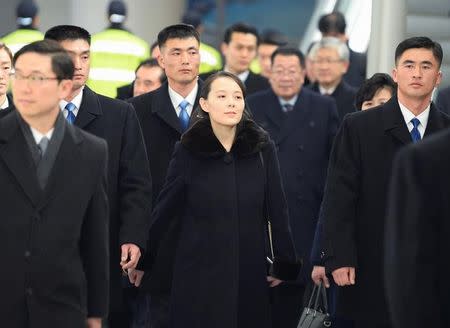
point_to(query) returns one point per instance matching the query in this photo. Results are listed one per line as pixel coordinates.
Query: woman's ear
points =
(203, 104)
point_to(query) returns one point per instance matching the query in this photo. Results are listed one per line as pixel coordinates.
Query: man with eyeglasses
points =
(302, 124)
(330, 58)
(54, 221)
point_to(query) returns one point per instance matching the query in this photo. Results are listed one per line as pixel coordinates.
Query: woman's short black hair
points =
(371, 86)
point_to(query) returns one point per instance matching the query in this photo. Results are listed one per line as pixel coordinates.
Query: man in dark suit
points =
(54, 222)
(358, 174)
(5, 69)
(164, 115)
(417, 230)
(302, 124)
(239, 49)
(331, 58)
(129, 182)
(443, 100)
(334, 25)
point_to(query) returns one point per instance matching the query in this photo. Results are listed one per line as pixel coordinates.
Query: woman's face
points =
(5, 69)
(225, 102)
(381, 96)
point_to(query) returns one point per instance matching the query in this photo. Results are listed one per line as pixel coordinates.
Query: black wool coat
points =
(417, 235)
(55, 270)
(354, 204)
(219, 277)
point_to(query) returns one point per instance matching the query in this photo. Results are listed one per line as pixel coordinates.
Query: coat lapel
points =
(394, 123)
(16, 155)
(90, 108)
(274, 113)
(435, 122)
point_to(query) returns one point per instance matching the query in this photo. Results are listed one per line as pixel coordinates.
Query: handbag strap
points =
(269, 226)
(318, 294)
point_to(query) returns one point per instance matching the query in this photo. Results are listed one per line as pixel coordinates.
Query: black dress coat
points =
(219, 277)
(9, 109)
(344, 95)
(125, 92)
(443, 100)
(417, 235)
(303, 138)
(55, 241)
(129, 179)
(161, 130)
(355, 202)
(253, 83)
(356, 73)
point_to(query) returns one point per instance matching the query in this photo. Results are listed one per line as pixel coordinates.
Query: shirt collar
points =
(5, 104)
(324, 91)
(242, 76)
(76, 101)
(408, 115)
(176, 98)
(38, 136)
(291, 101)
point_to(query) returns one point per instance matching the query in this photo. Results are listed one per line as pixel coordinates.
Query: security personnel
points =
(115, 53)
(26, 32)
(210, 58)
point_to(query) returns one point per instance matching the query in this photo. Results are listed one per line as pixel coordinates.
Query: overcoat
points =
(219, 277)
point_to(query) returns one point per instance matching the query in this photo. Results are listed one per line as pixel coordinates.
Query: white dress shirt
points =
(76, 101)
(176, 99)
(5, 104)
(422, 117)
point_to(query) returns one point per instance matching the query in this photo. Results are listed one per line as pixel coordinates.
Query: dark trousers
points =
(287, 303)
(159, 310)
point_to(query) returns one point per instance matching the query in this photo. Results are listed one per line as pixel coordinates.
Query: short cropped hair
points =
(62, 64)
(240, 28)
(67, 32)
(371, 86)
(332, 24)
(8, 51)
(288, 51)
(177, 31)
(153, 62)
(419, 42)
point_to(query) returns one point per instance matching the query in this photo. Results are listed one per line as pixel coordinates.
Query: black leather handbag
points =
(316, 316)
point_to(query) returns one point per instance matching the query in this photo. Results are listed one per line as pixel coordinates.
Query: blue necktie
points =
(70, 115)
(415, 134)
(184, 116)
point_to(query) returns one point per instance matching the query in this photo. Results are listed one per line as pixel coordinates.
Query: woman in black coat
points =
(215, 187)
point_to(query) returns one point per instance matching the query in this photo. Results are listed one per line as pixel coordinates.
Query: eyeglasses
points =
(326, 61)
(33, 79)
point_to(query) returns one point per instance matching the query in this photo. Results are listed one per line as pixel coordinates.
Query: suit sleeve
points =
(341, 197)
(443, 100)
(169, 204)
(94, 244)
(135, 184)
(286, 266)
(412, 244)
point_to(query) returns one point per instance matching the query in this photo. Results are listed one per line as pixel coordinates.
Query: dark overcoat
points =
(7, 110)
(129, 179)
(55, 241)
(443, 100)
(219, 277)
(355, 202)
(417, 235)
(303, 139)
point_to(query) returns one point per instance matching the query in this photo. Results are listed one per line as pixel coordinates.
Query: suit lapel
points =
(435, 123)
(16, 154)
(64, 165)
(274, 113)
(89, 110)
(394, 123)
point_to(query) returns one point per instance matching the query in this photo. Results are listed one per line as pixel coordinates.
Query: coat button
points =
(29, 291)
(301, 147)
(27, 254)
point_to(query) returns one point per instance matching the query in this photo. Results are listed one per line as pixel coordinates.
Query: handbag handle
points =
(317, 293)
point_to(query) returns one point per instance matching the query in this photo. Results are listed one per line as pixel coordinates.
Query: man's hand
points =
(344, 276)
(274, 282)
(318, 275)
(135, 277)
(94, 323)
(130, 256)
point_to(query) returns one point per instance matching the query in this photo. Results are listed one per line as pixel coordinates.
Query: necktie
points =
(288, 107)
(70, 115)
(43, 144)
(184, 116)
(415, 134)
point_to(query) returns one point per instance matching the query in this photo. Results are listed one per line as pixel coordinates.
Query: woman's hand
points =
(135, 276)
(274, 282)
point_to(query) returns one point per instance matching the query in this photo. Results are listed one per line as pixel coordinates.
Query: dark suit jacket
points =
(443, 100)
(129, 180)
(161, 129)
(9, 109)
(254, 82)
(355, 202)
(56, 239)
(344, 95)
(356, 73)
(417, 235)
(125, 92)
(303, 138)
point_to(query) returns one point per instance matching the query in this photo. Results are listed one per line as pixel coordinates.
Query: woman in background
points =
(375, 91)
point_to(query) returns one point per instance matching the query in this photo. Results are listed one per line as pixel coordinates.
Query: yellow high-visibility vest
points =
(21, 37)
